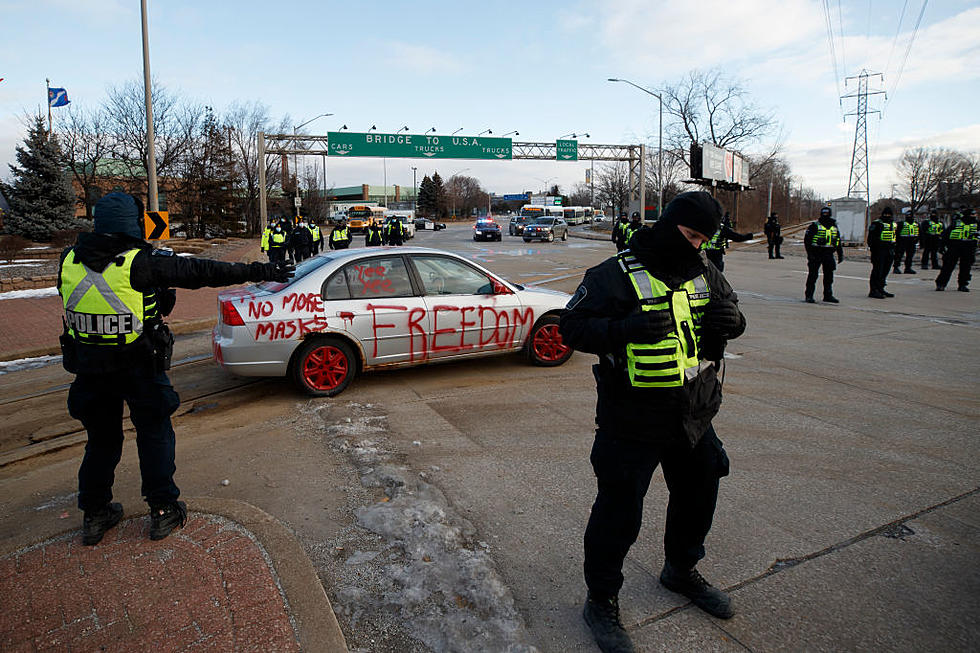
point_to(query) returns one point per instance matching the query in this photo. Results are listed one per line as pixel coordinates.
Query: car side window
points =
(336, 287)
(444, 276)
(378, 277)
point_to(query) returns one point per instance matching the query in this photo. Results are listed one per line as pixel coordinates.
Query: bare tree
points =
(711, 107)
(174, 126)
(922, 170)
(246, 121)
(87, 149)
(613, 187)
(465, 194)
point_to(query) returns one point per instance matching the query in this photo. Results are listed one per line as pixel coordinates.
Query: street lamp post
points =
(296, 169)
(660, 146)
(151, 157)
(415, 191)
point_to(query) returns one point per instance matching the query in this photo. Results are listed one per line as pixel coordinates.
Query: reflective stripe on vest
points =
(277, 239)
(667, 363)
(338, 234)
(963, 231)
(315, 230)
(104, 308)
(909, 229)
(826, 236)
(887, 232)
(265, 239)
(716, 242)
(935, 228)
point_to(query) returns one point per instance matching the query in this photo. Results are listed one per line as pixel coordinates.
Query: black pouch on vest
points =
(69, 355)
(163, 346)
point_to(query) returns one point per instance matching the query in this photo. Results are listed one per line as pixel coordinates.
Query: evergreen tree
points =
(425, 202)
(438, 195)
(41, 197)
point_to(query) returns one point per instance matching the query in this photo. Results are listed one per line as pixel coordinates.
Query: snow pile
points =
(30, 293)
(27, 363)
(427, 570)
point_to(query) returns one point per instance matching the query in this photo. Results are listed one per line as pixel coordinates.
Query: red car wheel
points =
(324, 367)
(545, 345)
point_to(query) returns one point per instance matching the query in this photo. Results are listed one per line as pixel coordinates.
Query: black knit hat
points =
(887, 211)
(695, 210)
(119, 213)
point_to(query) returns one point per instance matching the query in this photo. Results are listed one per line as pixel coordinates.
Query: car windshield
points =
(547, 222)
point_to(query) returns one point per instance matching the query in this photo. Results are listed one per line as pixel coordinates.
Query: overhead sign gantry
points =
(434, 146)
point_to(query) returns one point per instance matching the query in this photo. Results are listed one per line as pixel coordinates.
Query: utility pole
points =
(858, 184)
(151, 157)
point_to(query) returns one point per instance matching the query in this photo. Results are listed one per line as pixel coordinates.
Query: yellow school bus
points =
(361, 216)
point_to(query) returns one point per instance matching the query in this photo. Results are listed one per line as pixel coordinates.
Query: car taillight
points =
(229, 314)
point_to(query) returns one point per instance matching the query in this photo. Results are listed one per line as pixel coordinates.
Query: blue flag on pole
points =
(57, 97)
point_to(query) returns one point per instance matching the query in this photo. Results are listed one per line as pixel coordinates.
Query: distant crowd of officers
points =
(298, 240)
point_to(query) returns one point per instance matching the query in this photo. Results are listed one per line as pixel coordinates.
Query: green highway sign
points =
(417, 146)
(566, 150)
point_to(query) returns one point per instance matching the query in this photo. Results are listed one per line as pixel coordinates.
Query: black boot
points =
(809, 299)
(887, 294)
(164, 519)
(876, 294)
(97, 522)
(963, 289)
(602, 616)
(692, 584)
(830, 299)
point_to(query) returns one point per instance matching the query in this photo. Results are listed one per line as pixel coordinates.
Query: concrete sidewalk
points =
(233, 579)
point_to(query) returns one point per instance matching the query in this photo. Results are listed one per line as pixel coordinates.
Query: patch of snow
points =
(30, 293)
(27, 363)
(16, 264)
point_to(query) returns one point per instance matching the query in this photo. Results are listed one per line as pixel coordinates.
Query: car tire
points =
(544, 346)
(527, 240)
(323, 367)
(551, 236)
(511, 232)
(564, 235)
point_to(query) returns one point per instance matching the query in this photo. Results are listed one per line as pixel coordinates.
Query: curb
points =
(309, 606)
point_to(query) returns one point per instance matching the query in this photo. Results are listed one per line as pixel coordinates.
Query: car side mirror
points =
(501, 289)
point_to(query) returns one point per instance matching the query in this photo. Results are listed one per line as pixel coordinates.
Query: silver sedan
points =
(354, 310)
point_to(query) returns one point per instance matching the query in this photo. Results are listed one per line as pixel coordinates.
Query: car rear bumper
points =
(235, 350)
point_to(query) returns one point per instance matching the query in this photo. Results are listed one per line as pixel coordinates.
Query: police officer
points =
(619, 232)
(773, 238)
(317, 238)
(264, 244)
(960, 239)
(930, 238)
(374, 235)
(116, 289)
(301, 242)
(394, 232)
(906, 237)
(634, 225)
(278, 241)
(881, 243)
(715, 248)
(340, 237)
(821, 241)
(658, 317)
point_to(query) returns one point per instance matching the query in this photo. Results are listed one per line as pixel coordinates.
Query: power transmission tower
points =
(857, 186)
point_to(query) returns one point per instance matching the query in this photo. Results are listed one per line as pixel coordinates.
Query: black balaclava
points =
(118, 213)
(887, 213)
(825, 217)
(663, 246)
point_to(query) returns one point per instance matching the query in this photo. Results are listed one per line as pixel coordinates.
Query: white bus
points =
(574, 214)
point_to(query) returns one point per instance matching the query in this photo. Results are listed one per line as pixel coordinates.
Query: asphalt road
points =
(850, 520)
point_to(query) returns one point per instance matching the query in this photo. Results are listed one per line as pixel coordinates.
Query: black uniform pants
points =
(813, 264)
(881, 263)
(930, 252)
(964, 256)
(904, 248)
(277, 254)
(773, 244)
(623, 470)
(97, 401)
(716, 256)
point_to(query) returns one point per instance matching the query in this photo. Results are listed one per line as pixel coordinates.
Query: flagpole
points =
(47, 84)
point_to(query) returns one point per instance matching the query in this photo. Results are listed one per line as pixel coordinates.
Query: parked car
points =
(516, 226)
(485, 229)
(407, 223)
(545, 229)
(425, 223)
(354, 310)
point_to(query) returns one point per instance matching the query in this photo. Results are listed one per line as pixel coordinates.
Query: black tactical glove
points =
(840, 257)
(721, 318)
(282, 271)
(646, 326)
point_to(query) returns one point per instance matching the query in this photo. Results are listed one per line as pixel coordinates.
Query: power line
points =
(840, 25)
(833, 53)
(898, 32)
(908, 49)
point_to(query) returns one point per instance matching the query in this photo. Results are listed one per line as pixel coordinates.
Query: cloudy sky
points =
(536, 67)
